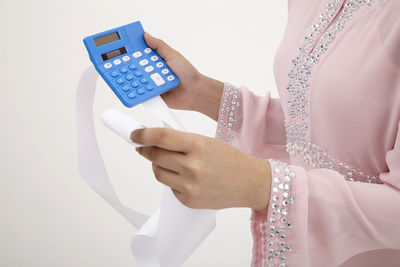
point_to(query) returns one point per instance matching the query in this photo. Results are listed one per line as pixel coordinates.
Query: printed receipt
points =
(171, 234)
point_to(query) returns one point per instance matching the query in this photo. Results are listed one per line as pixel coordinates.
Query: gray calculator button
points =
(154, 58)
(126, 58)
(149, 69)
(170, 78)
(117, 62)
(160, 65)
(147, 50)
(157, 79)
(137, 54)
(143, 62)
(108, 65)
(165, 71)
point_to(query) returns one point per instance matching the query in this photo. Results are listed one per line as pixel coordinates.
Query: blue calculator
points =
(134, 72)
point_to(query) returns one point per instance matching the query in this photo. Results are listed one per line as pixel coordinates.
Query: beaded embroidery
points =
(298, 142)
(227, 110)
(274, 230)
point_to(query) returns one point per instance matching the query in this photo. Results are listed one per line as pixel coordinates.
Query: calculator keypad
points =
(137, 54)
(129, 76)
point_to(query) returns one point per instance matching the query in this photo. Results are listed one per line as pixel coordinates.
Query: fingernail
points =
(134, 135)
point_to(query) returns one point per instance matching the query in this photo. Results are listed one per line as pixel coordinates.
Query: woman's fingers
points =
(165, 138)
(167, 159)
(163, 49)
(168, 178)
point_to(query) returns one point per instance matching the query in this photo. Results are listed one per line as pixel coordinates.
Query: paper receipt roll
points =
(173, 231)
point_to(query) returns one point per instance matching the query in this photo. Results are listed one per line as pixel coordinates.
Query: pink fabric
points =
(340, 215)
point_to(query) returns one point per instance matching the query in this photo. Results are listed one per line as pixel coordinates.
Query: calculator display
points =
(114, 53)
(109, 38)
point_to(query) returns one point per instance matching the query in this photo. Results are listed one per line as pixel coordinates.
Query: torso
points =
(352, 102)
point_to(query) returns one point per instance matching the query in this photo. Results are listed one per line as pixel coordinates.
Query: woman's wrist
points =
(261, 191)
(208, 97)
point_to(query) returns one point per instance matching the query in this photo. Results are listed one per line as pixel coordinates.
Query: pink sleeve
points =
(317, 218)
(244, 116)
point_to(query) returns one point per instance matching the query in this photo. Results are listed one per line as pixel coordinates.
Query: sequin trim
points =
(276, 228)
(316, 43)
(227, 113)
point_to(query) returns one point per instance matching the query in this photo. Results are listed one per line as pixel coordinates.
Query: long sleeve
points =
(317, 218)
(244, 116)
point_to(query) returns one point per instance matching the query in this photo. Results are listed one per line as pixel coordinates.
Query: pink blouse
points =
(332, 138)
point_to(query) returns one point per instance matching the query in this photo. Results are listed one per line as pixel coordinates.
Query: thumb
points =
(163, 49)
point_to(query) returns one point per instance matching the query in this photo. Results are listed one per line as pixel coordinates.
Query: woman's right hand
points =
(195, 91)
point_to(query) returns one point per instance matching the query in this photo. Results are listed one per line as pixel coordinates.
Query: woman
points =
(320, 167)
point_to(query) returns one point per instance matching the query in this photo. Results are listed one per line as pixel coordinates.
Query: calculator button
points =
(120, 81)
(149, 69)
(132, 67)
(147, 50)
(154, 58)
(114, 74)
(170, 78)
(135, 84)
(126, 58)
(131, 95)
(129, 77)
(140, 91)
(108, 65)
(149, 87)
(138, 73)
(143, 62)
(137, 54)
(143, 80)
(125, 88)
(157, 79)
(117, 62)
(123, 70)
(160, 65)
(165, 71)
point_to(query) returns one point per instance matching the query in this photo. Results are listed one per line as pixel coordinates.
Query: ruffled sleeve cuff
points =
(228, 113)
(254, 124)
(274, 239)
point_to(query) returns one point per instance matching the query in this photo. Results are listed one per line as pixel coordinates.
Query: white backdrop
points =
(49, 217)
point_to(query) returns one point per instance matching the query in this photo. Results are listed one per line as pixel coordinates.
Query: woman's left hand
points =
(204, 172)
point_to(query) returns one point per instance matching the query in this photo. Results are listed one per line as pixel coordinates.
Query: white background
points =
(48, 216)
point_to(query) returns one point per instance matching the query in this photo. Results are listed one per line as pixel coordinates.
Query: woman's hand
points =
(205, 172)
(195, 91)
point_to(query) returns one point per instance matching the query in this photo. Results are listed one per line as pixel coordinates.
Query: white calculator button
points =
(149, 69)
(170, 78)
(143, 62)
(108, 65)
(126, 58)
(137, 54)
(165, 71)
(117, 62)
(147, 50)
(160, 65)
(157, 79)
(154, 58)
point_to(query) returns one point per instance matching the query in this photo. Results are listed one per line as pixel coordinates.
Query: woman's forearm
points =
(209, 97)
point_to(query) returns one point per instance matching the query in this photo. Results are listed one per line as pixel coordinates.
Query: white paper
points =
(173, 231)
(121, 124)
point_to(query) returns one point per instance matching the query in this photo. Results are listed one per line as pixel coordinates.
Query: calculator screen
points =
(109, 38)
(114, 53)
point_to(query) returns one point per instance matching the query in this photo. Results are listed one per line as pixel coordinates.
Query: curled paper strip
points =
(173, 231)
